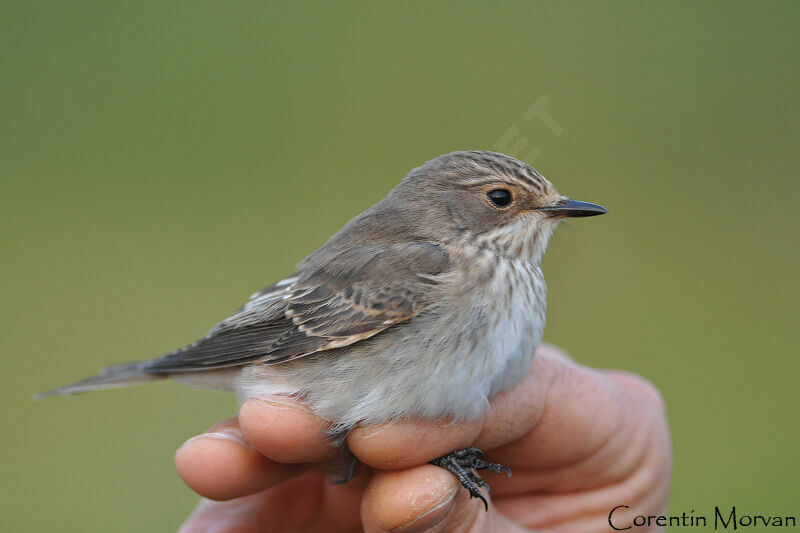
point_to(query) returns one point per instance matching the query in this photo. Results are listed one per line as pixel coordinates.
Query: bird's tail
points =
(122, 375)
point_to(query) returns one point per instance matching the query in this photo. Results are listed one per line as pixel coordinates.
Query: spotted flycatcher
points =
(425, 305)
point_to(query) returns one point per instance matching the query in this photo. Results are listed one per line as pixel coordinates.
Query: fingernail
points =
(283, 402)
(223, 434)
(432, 518)
(369, 432)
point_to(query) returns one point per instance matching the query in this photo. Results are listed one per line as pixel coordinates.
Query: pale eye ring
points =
(500, 197)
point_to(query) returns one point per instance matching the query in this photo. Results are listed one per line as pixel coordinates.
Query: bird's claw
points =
(463, 463)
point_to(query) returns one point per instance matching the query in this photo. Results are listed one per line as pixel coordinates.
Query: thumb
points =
(425, 498)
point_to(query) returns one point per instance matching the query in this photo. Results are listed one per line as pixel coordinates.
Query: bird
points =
(426, 305)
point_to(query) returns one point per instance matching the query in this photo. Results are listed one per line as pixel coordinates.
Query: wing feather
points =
(356, 294)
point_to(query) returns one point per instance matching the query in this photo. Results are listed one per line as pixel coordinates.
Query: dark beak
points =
(574, 208)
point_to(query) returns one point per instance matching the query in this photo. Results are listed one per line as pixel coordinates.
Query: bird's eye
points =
(500, 197)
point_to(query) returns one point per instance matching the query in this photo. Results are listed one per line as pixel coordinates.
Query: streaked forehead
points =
(485, 162)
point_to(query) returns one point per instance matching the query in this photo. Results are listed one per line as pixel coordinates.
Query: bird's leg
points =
(348, 469)
(345, 468)
(463, 463)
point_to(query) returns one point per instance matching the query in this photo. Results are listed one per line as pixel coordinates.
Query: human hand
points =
(579, 442)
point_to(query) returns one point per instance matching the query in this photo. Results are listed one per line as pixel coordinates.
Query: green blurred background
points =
(159, 163)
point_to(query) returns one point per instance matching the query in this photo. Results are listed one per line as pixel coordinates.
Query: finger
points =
(241, 514)
(285, 430)
(417, 499)
(221, 464)
(551, 350)
(426, 498)
(408, 442)
(596, 429)
(305, 503)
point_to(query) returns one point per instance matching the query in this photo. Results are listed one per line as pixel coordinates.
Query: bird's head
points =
(486, 197)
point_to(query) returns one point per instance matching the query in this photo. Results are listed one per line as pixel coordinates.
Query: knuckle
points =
(644, 389)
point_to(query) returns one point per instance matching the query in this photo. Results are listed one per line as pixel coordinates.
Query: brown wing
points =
(356, 294)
